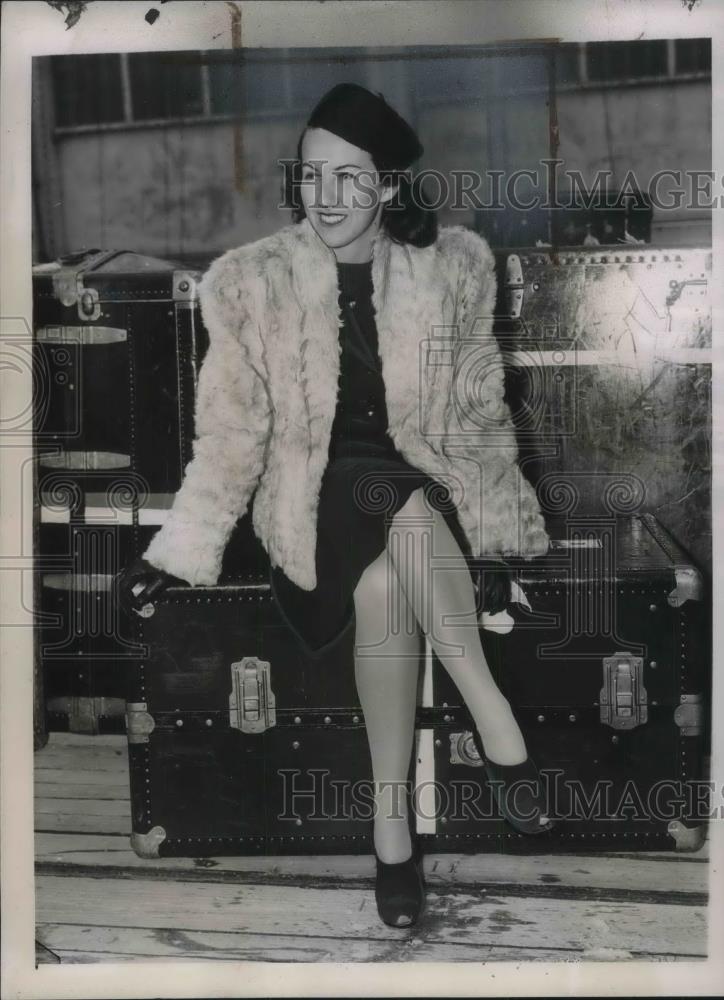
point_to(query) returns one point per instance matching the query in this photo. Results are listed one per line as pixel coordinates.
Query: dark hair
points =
(405, 218)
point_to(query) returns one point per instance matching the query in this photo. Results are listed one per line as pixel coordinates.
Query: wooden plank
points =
(74, 742)
(44, 956)
(70, 761)
(572, 871)
(83, 807)
(540, 890)
(62, 740)
(60, 777)
(460, 917)
(82, 943)
(74, 823)
(97, 845)
(49, 790)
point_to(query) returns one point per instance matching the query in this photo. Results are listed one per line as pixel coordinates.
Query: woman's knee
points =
(376, 581)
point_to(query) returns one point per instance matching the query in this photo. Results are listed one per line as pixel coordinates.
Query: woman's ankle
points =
(392, 839)
(502, 739)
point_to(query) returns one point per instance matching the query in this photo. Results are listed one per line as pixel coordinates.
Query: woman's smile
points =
(332, 218)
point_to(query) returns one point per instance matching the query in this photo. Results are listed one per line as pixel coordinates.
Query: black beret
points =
(368, 122)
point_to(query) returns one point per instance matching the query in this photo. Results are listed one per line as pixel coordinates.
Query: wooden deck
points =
(97, 901)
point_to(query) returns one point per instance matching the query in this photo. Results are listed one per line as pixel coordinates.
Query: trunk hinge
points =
(514, 285)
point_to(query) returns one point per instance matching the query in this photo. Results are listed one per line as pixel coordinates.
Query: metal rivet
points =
(183, 286)
(443, 819)
(652, 607)
(179, 722)
(541, 718)
(298, 822)
(438, 743)
(571, 718)
(653, 664)
(355, 719)
(614, 739)
(327, 720)
(295, 745)
(209, 722)
(297, 720)
(447, 718)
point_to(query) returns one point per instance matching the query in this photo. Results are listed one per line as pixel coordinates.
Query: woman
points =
(351, 361)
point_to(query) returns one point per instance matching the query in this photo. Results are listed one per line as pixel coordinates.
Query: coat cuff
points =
(187, 549)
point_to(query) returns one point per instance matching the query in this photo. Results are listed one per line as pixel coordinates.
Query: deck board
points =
(78, 943)
(553, 874)
(97, 901)
(454, 915)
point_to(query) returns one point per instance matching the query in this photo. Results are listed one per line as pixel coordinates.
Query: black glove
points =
(497, 590)
(136, 585)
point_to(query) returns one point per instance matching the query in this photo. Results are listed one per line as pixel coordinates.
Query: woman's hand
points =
(496, 588)
(136, 585)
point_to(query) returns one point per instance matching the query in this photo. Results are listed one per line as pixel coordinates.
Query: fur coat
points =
(267, 395)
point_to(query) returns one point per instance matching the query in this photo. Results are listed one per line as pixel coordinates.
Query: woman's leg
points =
(437, 583)
(388, 650)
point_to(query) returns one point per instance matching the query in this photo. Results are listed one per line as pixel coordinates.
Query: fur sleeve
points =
(481, 434)
(232, 419)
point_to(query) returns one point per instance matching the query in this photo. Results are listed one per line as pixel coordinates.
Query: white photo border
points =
(35, 28)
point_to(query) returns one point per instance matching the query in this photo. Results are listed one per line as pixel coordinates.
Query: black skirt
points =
(366, 482)
(358, 498)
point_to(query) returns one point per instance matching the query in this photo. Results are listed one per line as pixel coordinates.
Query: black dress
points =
(365, 483)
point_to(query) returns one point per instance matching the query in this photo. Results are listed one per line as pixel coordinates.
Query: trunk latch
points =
(252, 706)
(623, 696)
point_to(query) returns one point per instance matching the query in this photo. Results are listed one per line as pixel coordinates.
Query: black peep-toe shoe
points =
(524, 807)
(400, 890)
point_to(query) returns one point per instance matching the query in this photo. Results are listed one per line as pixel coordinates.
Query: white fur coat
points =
(267, 395)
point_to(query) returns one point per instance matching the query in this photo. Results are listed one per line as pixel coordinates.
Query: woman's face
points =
(342, 194)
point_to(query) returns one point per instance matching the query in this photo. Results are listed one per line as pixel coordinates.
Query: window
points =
(239, 87)
(87, 89)
(115, 90)
(164, 85)
(693, 55)
(568, 59)
(254, 84)
(448, 79)
(478, 76)
(610, 63)
(626, 60)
